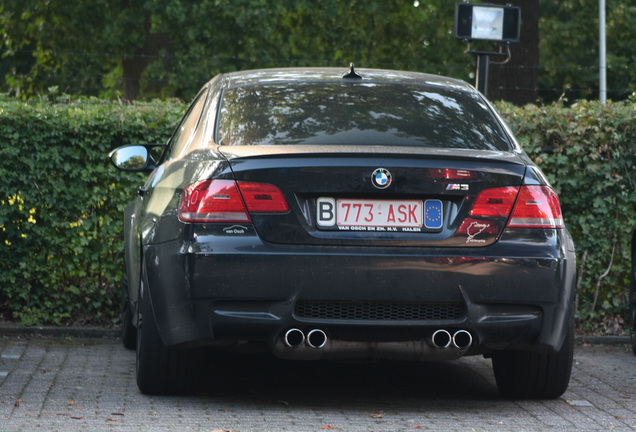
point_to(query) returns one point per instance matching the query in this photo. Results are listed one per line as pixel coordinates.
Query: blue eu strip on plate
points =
(433, 214)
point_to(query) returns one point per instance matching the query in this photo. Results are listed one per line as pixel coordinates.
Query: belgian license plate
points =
(379, 215)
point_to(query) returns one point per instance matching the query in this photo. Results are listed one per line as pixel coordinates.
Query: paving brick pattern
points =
(56, 384)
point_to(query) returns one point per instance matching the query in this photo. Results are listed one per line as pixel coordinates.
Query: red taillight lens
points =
(263, 198)
(530, 206)
(537, 207)
(225, 201)
(212, 201)
(495, 202)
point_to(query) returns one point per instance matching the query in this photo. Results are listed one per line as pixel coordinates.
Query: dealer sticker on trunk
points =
(379, 215)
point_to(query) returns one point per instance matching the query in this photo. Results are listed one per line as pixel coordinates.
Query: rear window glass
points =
(357, 114)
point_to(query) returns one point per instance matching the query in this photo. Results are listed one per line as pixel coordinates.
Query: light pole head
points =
(487, 22)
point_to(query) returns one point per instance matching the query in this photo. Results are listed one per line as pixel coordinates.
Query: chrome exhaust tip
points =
(462, 339)
(441, 339)
(294, 338)
(316, 338)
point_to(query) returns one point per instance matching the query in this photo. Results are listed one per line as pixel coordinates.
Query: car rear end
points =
(388, 217)
(495, 262)
(369, 245)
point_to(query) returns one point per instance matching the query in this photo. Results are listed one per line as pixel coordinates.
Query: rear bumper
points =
(378, 302)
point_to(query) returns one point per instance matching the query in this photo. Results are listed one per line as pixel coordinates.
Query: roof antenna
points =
(352, 73)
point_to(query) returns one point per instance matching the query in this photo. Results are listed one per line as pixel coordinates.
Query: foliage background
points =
(168, 48)
(61, 205)
(587, 152)
(61, 202)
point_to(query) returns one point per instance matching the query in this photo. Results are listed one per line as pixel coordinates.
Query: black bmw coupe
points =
(322, 213)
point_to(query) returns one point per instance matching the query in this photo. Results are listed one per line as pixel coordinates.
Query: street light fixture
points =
(487, 22)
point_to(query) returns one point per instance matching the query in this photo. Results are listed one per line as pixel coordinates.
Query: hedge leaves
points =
(61, 205)
(61, 202)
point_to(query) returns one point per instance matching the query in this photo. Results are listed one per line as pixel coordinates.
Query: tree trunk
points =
(518, 80)
(134, 66)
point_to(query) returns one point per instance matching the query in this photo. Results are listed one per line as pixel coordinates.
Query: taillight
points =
(527, 206)
(212, 201)
(263, 198)
(537, 207)
(495, 202)
(225, 201)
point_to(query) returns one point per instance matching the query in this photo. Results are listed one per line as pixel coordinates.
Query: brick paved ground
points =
(89, 384)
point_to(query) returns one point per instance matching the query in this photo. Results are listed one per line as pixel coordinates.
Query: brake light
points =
(451, 174)
(495, 202)
(212, 201)
(527, 206)
(537, 207)
(225, 201)
(263, 198)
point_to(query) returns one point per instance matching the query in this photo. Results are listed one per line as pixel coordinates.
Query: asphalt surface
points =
(73, 383)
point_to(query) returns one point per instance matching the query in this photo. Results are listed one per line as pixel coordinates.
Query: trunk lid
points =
(419, 197)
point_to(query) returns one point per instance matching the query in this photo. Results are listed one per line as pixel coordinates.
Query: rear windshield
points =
(357, 114)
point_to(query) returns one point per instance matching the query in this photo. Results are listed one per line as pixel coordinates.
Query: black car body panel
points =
(349, 289)
(499, 304)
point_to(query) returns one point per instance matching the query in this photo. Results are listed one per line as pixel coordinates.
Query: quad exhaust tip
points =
(294, 338)
(441, 339)
(316, 338)
(461, 339)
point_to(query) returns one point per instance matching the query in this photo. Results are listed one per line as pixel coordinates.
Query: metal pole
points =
(482, 73)
(602, 54)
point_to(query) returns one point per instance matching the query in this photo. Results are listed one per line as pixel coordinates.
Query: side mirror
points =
(134, 158)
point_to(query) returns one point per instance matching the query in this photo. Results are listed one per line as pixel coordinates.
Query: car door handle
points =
(142, 191)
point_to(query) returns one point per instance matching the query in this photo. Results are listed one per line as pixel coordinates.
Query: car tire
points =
(128, 330)
(535, 375)
(161, 370)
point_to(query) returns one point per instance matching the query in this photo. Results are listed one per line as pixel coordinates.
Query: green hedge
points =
(588, 152)
(61, 201)
(61, 205)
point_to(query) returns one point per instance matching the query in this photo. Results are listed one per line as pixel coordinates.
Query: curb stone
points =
(73, 332)
(602, 340)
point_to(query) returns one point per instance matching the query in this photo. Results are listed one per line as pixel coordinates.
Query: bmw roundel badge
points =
(381, 178)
